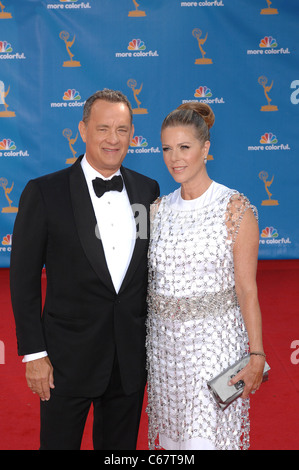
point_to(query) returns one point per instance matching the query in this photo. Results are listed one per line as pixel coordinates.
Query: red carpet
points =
(274, 409)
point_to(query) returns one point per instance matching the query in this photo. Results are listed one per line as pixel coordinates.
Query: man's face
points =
(107, 136)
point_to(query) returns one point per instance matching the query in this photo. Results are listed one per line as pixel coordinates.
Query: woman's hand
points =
(252, 375)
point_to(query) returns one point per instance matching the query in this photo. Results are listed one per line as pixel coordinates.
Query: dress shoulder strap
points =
(154, 208)
(237, 205)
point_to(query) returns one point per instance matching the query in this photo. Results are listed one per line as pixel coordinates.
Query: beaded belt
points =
(189, 308)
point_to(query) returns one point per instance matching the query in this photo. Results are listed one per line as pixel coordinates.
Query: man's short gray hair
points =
(112, 96)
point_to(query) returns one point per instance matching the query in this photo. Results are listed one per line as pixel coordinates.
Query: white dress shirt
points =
(115, 226)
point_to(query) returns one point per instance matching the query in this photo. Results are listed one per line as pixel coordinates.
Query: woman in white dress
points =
(203, 306)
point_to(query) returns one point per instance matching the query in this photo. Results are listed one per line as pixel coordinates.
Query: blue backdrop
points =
(239, 56)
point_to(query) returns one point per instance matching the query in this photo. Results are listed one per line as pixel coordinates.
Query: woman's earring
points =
(205, 159)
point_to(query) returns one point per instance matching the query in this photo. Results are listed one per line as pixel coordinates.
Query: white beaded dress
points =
(195, 328)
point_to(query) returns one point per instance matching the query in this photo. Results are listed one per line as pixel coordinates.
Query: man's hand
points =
(39, 376)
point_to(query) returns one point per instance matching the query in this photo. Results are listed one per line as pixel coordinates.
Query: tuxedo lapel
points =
(86, 224)
(135, 196)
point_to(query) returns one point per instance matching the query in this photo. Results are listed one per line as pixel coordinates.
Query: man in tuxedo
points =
(87, 347)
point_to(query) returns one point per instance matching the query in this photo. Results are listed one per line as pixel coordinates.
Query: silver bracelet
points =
(258, 353)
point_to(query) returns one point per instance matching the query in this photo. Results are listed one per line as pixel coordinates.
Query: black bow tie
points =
(100, 186)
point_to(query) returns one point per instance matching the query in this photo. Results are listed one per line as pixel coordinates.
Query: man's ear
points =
(82, 130)
(132, 132)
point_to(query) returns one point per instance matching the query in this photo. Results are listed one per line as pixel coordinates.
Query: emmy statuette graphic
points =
(263, 175)
(269, 10)
(136, 13)
(4, 15)
(132, 84)
(67, 133)
(3, 95)
(197, 34)
(10, 209)
(269, 107)
(64, 35)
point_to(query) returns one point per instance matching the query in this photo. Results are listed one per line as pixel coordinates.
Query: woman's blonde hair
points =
(194, 113)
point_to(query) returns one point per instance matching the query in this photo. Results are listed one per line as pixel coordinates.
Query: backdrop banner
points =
(239, 56)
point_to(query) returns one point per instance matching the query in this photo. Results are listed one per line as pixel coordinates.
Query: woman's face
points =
(184, 154)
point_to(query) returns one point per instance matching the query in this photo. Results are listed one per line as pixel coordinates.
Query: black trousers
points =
(115, 421)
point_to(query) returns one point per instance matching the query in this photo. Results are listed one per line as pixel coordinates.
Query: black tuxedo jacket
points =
(84, 321)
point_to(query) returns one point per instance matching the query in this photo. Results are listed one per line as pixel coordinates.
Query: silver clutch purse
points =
(225, 394)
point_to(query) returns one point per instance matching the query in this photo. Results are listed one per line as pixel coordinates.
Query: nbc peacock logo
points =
(6, 243)
(5, 47)
(71, 98)
(268, 141)
(139, 145)
(7, 144)
(269, 232)
(137, 48)
(7, 240)
(71, 95)
(268, 138)
(270, 236)
(139, 141)
(9, 149)
(268, 42)
(268, 45)
(136, 45)
(6, 52)
(204, 94)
